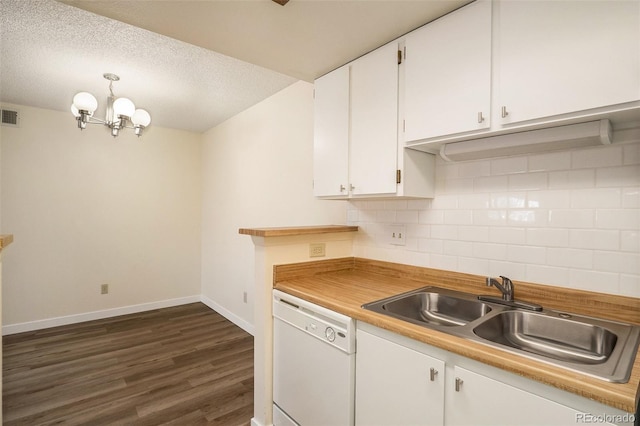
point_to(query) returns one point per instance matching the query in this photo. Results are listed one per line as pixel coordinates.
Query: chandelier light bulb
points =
(75, 111)
(141, 118)
(123, 107)
(85, 101)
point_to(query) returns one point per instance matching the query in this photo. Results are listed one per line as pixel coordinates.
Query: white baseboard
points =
(255, 422)
(228, 315)
(89, 316)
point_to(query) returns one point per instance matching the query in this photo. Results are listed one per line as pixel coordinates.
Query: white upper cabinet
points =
(559, 57)
(356, 153)
(331, 134)
(448, 74)
(374, 122)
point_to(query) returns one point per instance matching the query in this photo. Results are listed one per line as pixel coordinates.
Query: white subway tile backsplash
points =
(428, 245)
(550, 162)
(594, 280)
(551, 275)
(591, 158)
(618, 176)
(458, 248)
(548, 237)
(572, 179)
(507, 235)
(596, 198)
(556, 199)
(528, 181)
(629, 241)
(418, 231)
(490, 251)
(490, 217)
(386, 216)
(571, 258)
(594, 239)
(444, 232)
(473, 169)
(569, 218)
(611, 261)
(418, 204)
(431, 216)
(473, 265)
(475, 201)
(630, 285)
(510, 165)
(458, 217)
(473, 233)
(407, 216)
(527, 254)
(445, 202)
(459, 186)
(512, 200)
(631, 153)
(538, 217)
(631, 198)
(491, 184)
(618, 219)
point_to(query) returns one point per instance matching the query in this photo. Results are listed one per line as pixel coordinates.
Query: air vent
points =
(10, 118)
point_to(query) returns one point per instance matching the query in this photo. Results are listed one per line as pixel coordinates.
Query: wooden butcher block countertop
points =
(345, 284)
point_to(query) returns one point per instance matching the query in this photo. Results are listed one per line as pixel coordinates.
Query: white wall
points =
(257, 172)
(87, 209)
(567, 218)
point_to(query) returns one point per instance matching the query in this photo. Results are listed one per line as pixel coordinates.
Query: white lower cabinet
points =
(401, 381)
(480, 400)
(407, 391)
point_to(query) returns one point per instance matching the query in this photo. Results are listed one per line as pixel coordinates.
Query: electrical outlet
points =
(396, 235)
(317, 250)
(104, 289)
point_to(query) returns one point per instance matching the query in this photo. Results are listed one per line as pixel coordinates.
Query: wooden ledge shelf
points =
(296, 230)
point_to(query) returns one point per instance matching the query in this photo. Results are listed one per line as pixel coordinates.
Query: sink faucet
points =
(506, 288)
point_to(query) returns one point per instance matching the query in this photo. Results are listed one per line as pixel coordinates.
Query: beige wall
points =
(87, 209)
(257, 172)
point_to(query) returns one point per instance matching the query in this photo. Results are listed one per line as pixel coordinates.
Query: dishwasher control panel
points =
(322, 323)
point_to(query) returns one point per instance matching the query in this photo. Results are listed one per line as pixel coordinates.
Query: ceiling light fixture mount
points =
(120, 111)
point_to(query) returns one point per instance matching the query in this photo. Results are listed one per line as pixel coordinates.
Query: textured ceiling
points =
(304, 39)
(231, 55)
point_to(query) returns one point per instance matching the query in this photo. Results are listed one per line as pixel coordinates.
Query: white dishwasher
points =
(313, 364)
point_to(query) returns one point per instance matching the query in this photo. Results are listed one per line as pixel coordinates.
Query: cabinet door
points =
(480, 400)
(394, 386)
(374, 122)
(331, 134)
(558, 57)
(448, 74)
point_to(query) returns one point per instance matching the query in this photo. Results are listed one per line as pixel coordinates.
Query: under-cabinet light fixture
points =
(579, 135)
(120, 112)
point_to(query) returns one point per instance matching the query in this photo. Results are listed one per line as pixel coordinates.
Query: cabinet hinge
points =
(398, 176)
(399, 57)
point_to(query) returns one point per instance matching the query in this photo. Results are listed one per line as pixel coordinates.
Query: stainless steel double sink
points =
(600, 348)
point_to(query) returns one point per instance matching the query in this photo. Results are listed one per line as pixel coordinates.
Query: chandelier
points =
(121, 112)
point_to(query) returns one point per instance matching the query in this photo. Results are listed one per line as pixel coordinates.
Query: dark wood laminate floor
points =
(184, 365)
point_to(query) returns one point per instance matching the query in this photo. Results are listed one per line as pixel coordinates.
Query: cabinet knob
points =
(432, 374)
(342, 188)
(458, 384)
(351, 187)
(480, 117)
(504, 112)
